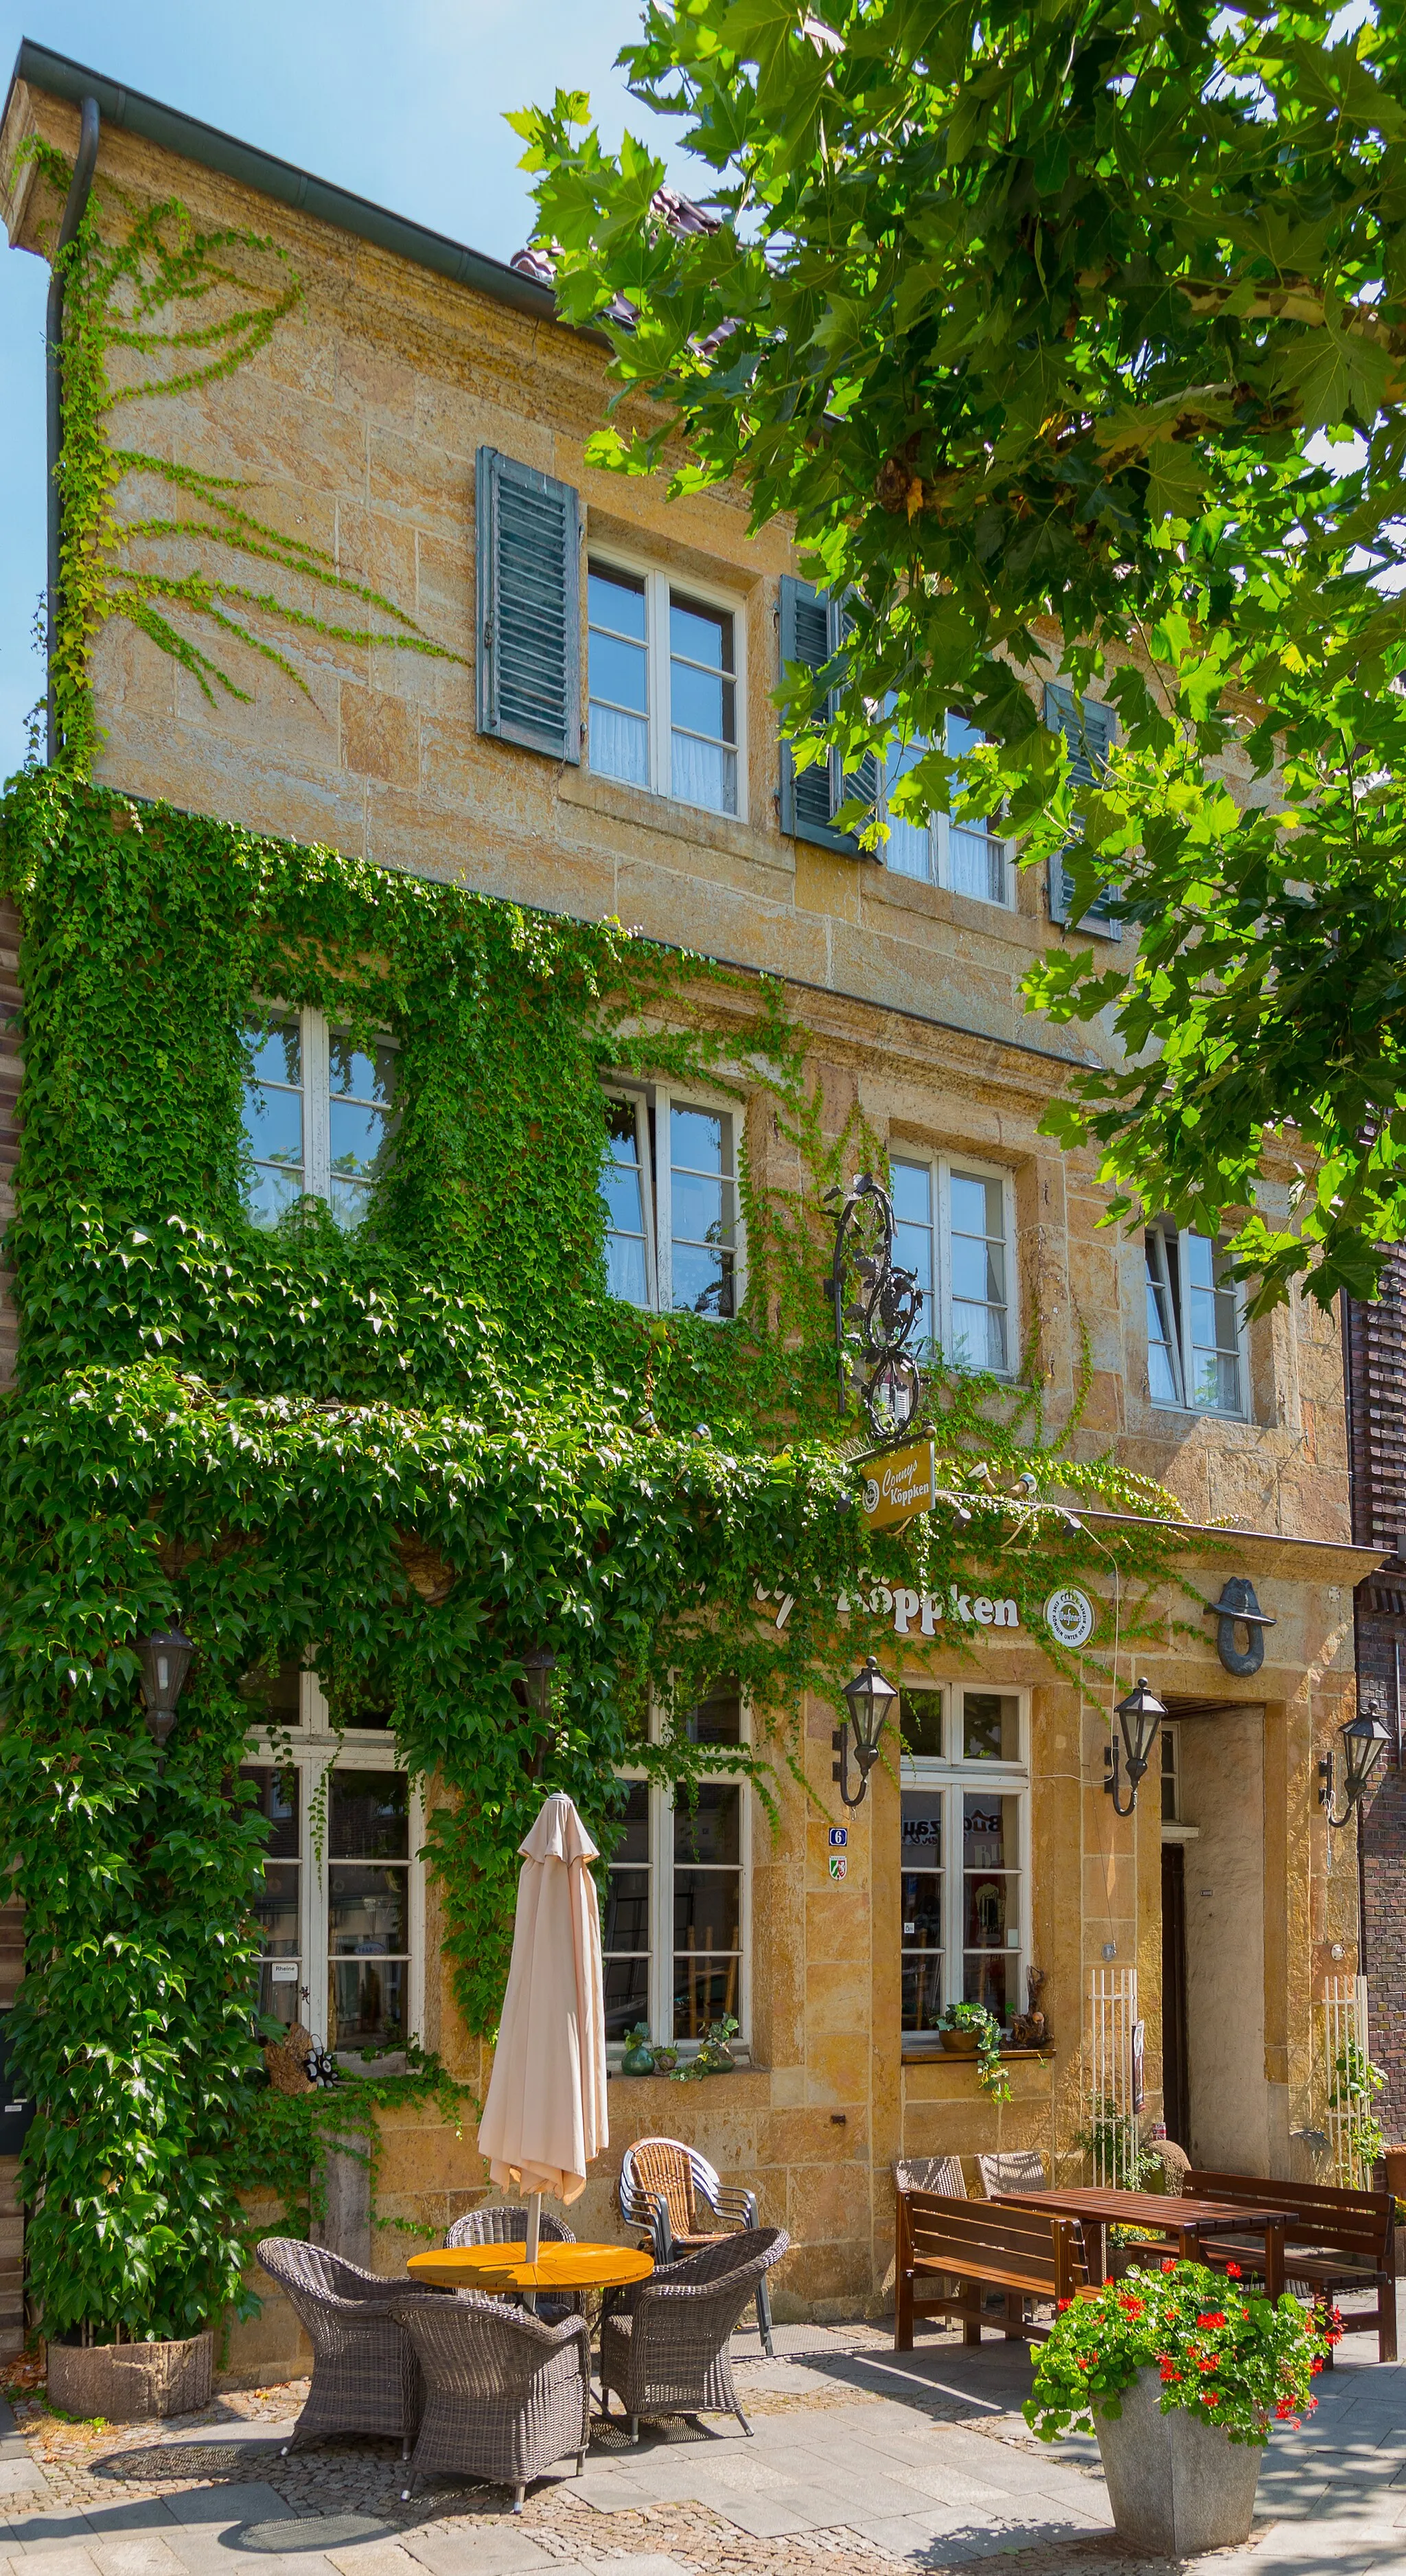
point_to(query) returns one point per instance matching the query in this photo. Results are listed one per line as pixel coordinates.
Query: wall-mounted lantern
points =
(1364, 1740)
(1139, 1716)
(538, 1665)
(869, 1699)
(166, 1659)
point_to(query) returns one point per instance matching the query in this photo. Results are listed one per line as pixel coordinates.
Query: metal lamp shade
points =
(538, 1666)
(166, 1659)
(869, 1699)
(1139, 1716)
(1365, 1740)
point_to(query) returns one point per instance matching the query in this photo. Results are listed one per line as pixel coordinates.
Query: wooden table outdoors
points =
(562, 2268)
(1155, 2214)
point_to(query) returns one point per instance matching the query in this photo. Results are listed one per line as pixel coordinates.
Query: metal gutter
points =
(133, 113)
(75, 206)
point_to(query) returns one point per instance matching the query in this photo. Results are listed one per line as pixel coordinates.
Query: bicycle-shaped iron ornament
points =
(877, 1305)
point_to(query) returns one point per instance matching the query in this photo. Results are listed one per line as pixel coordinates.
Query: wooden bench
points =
(962, 2245)
(1334, 2240)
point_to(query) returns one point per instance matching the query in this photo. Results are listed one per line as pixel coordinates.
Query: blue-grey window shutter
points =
(1088, 729)
(529, 607)
(813, 628)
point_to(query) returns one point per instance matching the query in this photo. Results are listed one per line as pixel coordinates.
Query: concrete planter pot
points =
(959, 2043)
(1177, 2486)
(130, 2382)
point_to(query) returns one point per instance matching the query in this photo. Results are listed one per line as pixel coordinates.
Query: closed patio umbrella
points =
(544, 2119)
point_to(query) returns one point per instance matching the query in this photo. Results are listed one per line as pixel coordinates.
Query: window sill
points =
(666, 814)
(914, 2054)
(1197, 1413)
(1179, 1833)
(942, 903)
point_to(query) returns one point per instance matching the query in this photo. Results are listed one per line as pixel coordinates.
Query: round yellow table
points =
(563, 2268)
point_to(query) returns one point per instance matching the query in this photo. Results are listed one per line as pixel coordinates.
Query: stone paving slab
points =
(864, 2461)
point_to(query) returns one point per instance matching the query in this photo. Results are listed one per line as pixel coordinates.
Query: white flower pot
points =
(1177, 2484)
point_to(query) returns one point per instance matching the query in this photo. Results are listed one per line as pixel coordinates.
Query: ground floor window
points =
(341, 1909)
(964, 1803)
(675, 1899)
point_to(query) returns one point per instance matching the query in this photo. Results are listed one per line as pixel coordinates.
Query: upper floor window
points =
(953, 1229)
(964, 1810)
(966, 857)
(1195, 1324)
(664, 700)
(318, 1113)
(669, 1182)
(675, 1900)
(341, 1906)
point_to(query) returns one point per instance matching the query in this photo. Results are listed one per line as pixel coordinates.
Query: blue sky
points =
(401, 100)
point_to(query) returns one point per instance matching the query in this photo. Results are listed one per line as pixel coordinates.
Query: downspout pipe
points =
(75, 207)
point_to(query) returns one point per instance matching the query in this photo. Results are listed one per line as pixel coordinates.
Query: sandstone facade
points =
(357, 429)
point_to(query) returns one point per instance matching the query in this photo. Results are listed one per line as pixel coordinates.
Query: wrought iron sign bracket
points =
(876, 1305)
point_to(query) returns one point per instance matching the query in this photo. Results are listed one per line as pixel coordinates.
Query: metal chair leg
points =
(634, 2428)
(518, 2494)
(742, 2420)
(764, 2317)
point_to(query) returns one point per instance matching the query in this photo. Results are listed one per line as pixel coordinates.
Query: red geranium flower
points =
(1232, 2271)
(1169, 2263)
(1065, 2303)
(1315, 2365)
(1212, 2317)
(1132, 2307)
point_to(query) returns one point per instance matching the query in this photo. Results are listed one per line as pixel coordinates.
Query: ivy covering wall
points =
(411, 1453)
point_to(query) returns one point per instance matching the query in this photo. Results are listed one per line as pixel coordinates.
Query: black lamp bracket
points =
(839, 1769)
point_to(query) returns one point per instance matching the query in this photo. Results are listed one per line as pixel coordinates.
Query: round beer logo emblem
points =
(871, 1495)
(1069, 1616)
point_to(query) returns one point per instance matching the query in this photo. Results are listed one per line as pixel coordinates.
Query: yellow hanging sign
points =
(898, 1484)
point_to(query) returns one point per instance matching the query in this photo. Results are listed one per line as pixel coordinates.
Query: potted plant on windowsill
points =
(1180, 2373)
(969, 2030)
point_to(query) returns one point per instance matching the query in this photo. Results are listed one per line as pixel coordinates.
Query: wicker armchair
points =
(932, 2173)
(667, 2354)
(365, 2378)
(1022, 2171)
(504, 2222)
(673, 2193)
(505, 2395)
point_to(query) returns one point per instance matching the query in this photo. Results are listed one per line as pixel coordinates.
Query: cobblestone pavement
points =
(863, 2461)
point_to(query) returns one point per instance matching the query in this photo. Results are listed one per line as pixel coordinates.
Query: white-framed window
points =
(964, 1883)
(1196, 1357)
(966, 857)
(676, 1904)
(665, 685)
(954, 1227)
(673, 1235)
(342, 1906)
(318, 1116)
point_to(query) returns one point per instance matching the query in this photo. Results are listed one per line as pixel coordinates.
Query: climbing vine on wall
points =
(185, 307)
(408, 1453)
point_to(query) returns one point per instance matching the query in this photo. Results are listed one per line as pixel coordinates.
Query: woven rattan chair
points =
(505, 2395)
(680, 2201)
(504, 2222)
(931, 2173)
(365, 2378)
(1024, 2171)
(668, 2354)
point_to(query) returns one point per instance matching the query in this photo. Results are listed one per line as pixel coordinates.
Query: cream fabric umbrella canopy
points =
(544, 2119)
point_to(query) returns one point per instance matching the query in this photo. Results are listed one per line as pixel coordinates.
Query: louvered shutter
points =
(1088, 730)
(813, 628)
(529, 607)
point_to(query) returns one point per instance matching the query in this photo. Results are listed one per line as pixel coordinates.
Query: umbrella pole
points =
(534, 2241)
